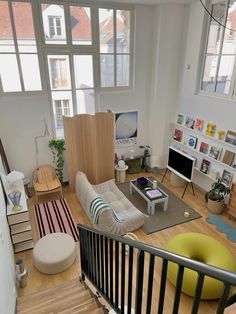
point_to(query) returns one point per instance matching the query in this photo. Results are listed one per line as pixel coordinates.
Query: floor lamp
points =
(46, 133)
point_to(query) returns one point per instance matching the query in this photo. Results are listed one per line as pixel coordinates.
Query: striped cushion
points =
(97, 207)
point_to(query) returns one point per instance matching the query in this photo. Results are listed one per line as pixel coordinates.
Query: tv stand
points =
(187, 182)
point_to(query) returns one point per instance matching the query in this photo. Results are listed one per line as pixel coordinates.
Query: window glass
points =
(6, 37)
(83, 66)
(85, 101)
(229, 44)
(24, 25)
(216, 31)
(106, 30)
(30, 72)
(122, 70)
(59, 71)
(122, 31)
(225, 74)
(107, 70)
(209, 76)
(80, 19)
(9, 73)
(54, 23)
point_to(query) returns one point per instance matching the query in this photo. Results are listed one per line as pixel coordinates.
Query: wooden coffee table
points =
(163, 198)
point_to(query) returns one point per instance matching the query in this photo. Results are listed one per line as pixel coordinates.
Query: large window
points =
(84, 49)
(219, 70)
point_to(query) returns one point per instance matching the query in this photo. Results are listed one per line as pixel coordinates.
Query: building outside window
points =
(219, 60)
(55, 27)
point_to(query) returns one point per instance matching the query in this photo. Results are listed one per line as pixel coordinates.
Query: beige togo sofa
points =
(117, 215)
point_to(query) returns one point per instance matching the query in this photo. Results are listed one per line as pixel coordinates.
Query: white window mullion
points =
(16, 45)
(221, 45)
(115, 48)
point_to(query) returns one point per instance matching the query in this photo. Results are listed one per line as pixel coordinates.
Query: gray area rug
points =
(160, 220)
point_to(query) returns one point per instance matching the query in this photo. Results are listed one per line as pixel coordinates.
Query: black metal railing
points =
(108, 262)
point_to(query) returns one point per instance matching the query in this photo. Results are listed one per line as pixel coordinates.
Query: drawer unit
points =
(231, 208)
(19, 224)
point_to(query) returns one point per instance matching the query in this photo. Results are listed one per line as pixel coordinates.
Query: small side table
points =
(121, 174)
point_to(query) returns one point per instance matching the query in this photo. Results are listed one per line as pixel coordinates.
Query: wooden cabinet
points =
(19, 224)
(232, 201)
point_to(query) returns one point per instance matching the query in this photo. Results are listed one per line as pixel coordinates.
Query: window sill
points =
(216, 96)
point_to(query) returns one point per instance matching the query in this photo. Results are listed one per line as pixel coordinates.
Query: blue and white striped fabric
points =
(97, 207)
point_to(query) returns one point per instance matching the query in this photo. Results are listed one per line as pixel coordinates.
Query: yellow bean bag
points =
(205, 249)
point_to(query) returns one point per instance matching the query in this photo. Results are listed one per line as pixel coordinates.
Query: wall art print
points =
(126, 127)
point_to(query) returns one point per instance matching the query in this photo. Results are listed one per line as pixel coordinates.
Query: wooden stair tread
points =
(42, 293)
(47, 305)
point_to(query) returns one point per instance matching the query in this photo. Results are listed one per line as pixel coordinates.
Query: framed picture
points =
(189, 123)
(180, 119)
(192, 141)
(126, 127)
(227, 178)
(177, 136)
(198, 125)
(228, 157)
(204, 147)
(4, 161)
(210, 129)
(215, 152)
(205, 166)
(231, 137)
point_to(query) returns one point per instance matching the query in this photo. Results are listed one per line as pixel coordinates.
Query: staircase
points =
(70, 298)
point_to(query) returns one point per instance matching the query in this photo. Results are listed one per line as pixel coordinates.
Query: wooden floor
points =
(38, 282)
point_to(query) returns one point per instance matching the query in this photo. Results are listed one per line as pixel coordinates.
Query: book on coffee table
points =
(153, 193)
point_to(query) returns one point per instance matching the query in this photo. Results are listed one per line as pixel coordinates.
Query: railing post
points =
(223, 299)
(116, 274)
(130, 280)
(139, 281)
(178, 287)
(162, 286)
(122, 286)
(111, 269)
(150, 283)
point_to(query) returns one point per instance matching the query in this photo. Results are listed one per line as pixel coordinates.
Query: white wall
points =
(21, 119)
(7, 264)
(168, 41)
(211, 109)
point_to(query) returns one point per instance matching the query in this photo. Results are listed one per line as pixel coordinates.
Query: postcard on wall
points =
(177, 136)
(180, 119)
(215, 152)
(126, 127)
(204, 147)
(192, 141)
(198, 125)
(227, 178)
(228, 157)
(210, 129)
(205, 166)
(231, 137)
(189, 122)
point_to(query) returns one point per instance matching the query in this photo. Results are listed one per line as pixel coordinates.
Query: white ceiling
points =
(149, 2)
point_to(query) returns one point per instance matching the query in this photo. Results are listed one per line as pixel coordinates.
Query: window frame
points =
(231, 96)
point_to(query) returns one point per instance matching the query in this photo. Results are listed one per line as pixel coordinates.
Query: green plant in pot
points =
(216, 197)
(58, 147)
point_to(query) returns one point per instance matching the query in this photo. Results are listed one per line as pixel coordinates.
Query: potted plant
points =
(216, 197)
(57, 147)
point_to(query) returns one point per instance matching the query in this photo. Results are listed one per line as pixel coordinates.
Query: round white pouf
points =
(54, 253)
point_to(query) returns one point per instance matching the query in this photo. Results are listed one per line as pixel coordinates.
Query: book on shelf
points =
(192, 141)
(228, 157)
(227, 178)
(178, 135)
(153, 193)
(198, 125)
(205, 166)
(215, 152)
(204, 147)
(189, 122)
(180, 119)
(231, 137)
(210, 129)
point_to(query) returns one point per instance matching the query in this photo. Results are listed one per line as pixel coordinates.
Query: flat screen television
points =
(181, 164)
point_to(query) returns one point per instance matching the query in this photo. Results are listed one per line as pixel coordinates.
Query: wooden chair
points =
(45, 181)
